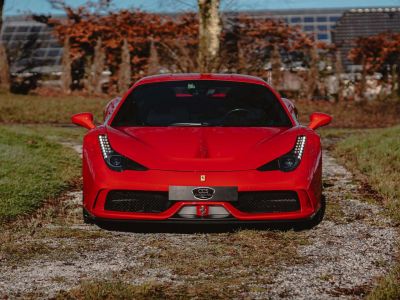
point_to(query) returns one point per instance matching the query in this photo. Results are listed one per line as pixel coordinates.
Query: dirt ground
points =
(341, 257)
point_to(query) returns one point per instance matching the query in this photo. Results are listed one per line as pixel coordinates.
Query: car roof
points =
(201, 76)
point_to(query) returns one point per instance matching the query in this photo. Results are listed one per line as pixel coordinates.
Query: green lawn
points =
(376, 155)
(38, 109)
(34, 167)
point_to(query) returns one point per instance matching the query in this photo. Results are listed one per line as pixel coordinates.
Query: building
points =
(357, 23)
(319, 22)
(32, 45)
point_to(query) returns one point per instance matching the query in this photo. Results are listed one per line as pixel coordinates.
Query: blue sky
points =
(16, 7)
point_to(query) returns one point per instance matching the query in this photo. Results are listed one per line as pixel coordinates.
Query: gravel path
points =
(340, 258)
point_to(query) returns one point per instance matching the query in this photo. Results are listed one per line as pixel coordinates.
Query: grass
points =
(222, 266)
(375, 156)
(388, 287)
(56, 110)
(28, 243)
(241, 249)
(374, 114)
(59, 109)
(113, 289)
(33, 168)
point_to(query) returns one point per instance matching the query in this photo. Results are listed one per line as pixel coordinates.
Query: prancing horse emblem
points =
(202, 178)
(203, 193)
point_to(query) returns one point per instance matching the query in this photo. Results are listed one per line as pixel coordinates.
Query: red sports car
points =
(202, 148)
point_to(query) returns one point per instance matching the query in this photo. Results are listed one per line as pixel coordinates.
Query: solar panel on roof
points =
(9, 29)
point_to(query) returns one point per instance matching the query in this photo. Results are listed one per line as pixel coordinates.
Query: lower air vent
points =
(137, 201)
(267, 202)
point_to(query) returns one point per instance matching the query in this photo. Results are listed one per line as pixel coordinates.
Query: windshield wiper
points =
(188, 124)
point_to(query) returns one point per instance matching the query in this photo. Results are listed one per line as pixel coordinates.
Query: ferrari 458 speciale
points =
(202, 148)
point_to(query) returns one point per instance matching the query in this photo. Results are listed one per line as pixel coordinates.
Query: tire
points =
(315, 220)
(87, 219)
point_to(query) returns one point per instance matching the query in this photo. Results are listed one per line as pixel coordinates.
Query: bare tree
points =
(339, 72)
(153, 64)
(97, 68)
(363, 80)
(66, 79)
(124, 73)
(276, 66)
(394, 81)
(4, 68)
(313, 73)
(209, 34)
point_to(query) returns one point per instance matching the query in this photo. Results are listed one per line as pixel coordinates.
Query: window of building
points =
(308, 19)
(9, 29)
(54, 53)
(295, 20)
(322, 36)
(322, 19)
(22, 29)
(39, 53)
(334, 18)
(36, 28)
(309, 28)
(322, 28)
(6, 37)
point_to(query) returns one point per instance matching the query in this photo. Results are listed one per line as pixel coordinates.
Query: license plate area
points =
(203, 193)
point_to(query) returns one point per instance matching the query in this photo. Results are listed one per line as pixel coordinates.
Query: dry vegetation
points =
(50, 109)
(374, 156)
(373, 114)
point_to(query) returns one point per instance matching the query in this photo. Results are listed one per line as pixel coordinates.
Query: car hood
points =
(201, 148)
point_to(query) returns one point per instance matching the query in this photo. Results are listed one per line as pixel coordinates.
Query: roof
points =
(361, 23)
(201, 76)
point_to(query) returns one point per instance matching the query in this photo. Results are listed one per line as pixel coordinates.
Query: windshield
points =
(202, 103)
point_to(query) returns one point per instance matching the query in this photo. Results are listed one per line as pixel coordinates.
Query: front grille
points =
(267, 202)
(137, 201)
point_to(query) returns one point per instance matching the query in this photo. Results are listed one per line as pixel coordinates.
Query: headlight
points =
(289, 161)
(116, 161)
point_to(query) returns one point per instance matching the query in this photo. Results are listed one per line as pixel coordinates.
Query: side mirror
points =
(84, 120)
(318, 119)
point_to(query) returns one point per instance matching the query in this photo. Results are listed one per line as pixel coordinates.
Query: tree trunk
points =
(313, 73)
(276, 66)
(363, 81)
(395, 81)
(66, 62)
(339, 72)
(209, 34)
(4, 67)
(241, 58)
(153, 63)
(124, 73)
(97, 68)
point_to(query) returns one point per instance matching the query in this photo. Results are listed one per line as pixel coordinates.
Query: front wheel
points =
(315, 220)
(87, 219)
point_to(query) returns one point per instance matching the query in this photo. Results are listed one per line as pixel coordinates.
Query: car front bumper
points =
(98, 182)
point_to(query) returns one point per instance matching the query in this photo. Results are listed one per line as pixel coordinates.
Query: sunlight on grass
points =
(376, 155)
(33, 169)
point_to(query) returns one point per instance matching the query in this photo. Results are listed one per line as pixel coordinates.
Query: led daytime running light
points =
(105, 146)
(299, 148)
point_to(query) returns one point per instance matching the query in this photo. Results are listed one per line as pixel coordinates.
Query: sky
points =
(17, 7)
